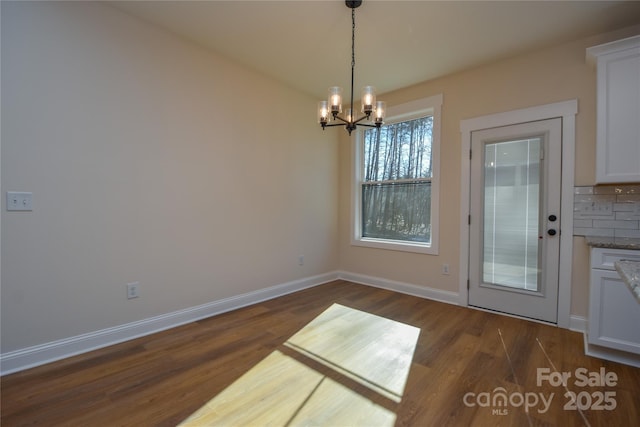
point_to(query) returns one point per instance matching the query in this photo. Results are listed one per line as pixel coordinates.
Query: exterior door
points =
(515, 219)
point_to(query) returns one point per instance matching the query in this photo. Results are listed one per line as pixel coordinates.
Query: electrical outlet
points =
(445, 268)
(300, 259)
(133, 290)
(19, 201)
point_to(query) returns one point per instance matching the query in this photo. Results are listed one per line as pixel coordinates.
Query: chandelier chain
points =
(353, 60)
(353, 38)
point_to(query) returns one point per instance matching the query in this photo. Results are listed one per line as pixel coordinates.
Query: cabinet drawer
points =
(603, 258)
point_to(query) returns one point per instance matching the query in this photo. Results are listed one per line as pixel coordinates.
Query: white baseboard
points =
(403, 288)
(578, 323)
(19, 360)
(22, 359)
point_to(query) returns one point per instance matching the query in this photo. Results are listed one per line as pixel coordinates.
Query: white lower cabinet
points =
(614, 313)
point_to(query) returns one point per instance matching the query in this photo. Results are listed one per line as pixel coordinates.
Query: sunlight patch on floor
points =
(283, 390)
(374, 351)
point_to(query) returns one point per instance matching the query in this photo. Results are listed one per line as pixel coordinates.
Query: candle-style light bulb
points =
(381, 111)
(335, 99)
(323, 112)
(368, 99)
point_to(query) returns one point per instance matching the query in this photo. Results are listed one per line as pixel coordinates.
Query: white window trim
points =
(403, 112)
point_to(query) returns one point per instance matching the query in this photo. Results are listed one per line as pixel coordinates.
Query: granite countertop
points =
(613, 242)
(630, 273)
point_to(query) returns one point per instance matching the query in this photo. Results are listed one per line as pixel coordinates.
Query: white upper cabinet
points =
(618, 105)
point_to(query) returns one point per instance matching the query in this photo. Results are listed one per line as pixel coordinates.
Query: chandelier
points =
(332, 108)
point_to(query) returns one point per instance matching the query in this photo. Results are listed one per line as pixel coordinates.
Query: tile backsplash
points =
(607, 211)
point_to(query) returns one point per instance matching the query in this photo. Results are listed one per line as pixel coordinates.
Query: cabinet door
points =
(618, 125)
(614, 314)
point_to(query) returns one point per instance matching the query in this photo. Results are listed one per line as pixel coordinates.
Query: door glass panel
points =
(511, 214)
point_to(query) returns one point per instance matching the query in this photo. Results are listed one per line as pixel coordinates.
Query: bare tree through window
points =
(396, 191)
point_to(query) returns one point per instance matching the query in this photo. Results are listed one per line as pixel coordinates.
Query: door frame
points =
(542, 302)
(565, 110)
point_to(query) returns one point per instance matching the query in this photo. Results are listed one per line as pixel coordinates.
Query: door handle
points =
(552, 232)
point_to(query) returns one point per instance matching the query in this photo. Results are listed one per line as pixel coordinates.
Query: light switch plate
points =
(19, 201)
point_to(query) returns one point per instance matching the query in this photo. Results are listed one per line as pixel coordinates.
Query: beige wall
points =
(541, 77)
(153, 160)
(149, 160)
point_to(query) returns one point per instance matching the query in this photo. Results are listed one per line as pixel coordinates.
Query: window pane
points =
(511, 206)
(398, 151)
(397, 211)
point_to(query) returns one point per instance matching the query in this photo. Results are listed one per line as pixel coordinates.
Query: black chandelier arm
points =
(365, 117)
(327, 125)
(350, 126)
(337, 117)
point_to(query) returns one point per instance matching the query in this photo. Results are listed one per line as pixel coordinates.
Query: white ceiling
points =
(307, 44)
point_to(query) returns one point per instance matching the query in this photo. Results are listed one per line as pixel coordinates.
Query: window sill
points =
(395, 245)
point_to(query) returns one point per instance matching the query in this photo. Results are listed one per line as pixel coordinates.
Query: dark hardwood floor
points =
(464, 360)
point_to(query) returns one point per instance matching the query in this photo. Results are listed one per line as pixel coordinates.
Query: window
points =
(396, 180)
